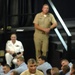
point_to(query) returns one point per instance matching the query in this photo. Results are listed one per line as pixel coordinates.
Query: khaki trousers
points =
(41, 44)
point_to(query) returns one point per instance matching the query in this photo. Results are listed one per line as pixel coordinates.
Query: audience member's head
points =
(20, 60)
(13, 37)
(73, 69)
(48, 72)
(6, 68)
(42, 59)
(14, 73)
(32, 65)
(54, 71)
(66, 69)
(64, 62)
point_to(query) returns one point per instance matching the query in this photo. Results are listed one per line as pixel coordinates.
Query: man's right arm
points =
(36, 23)
(7, 48)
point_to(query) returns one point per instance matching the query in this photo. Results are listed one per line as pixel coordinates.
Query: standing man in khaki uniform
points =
(43, 24)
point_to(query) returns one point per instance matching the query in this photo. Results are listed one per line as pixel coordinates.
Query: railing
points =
(68, 45)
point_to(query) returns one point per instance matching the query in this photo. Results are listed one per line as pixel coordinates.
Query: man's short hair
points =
(64, 60)
(15, 72)
(45, 5)
(6, 65)
(21, 58)
(55, 70)
(43, 58)
(13, 34)
(31, 61)
(66, 68)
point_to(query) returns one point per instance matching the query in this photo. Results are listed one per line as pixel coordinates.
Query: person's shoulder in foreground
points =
(28, 73)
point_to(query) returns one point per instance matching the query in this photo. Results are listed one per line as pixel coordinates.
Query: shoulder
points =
(8, 42)
(51, 15)
(19, 42)
(39, 14)
(39, 72)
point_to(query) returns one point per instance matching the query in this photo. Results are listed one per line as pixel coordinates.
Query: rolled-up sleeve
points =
(53, 20)
(36, 19)
(21, 47)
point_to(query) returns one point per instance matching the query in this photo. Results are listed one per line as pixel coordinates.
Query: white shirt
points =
(16, 47)
(70, 65)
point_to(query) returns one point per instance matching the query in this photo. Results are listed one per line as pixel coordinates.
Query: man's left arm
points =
(54, 22)
(21, 50)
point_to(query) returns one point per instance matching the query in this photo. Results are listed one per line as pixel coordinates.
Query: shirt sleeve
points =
(7, 45)
(36, 19)
(53, 20)
(21, 48)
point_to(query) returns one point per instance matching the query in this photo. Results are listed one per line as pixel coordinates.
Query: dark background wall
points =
(29, 8)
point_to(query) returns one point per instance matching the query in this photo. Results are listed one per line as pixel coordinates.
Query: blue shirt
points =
(44, 67)
(21, 68)
(6, 73)
(1, 69)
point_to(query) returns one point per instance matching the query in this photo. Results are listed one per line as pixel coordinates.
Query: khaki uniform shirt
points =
(28, 73)
(44, 21)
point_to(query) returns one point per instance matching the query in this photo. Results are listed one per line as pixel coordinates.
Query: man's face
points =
(13, 37)
(45, 9)
(40, 61)
(5, 69)
(19, 62)
(32, 68)
(63, 63)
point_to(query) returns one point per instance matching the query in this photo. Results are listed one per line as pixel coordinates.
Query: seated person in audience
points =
(6, 70)
(31, 68)
(66, 62)
(65, 70)
(14, 49)
(21, 65)
(73, 70)
(43, 64)
(55, 71)
(1, 68)
(14, 73)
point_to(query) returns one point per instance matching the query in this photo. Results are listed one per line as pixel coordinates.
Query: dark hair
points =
(45, 5)
(48, 71)
(43, 58)
(15, 73)
(6, 65)
(31, 61)
(66, 68)
(21, 58)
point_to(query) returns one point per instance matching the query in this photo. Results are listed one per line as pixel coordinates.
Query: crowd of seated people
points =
(40, 67)
(14, 50)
